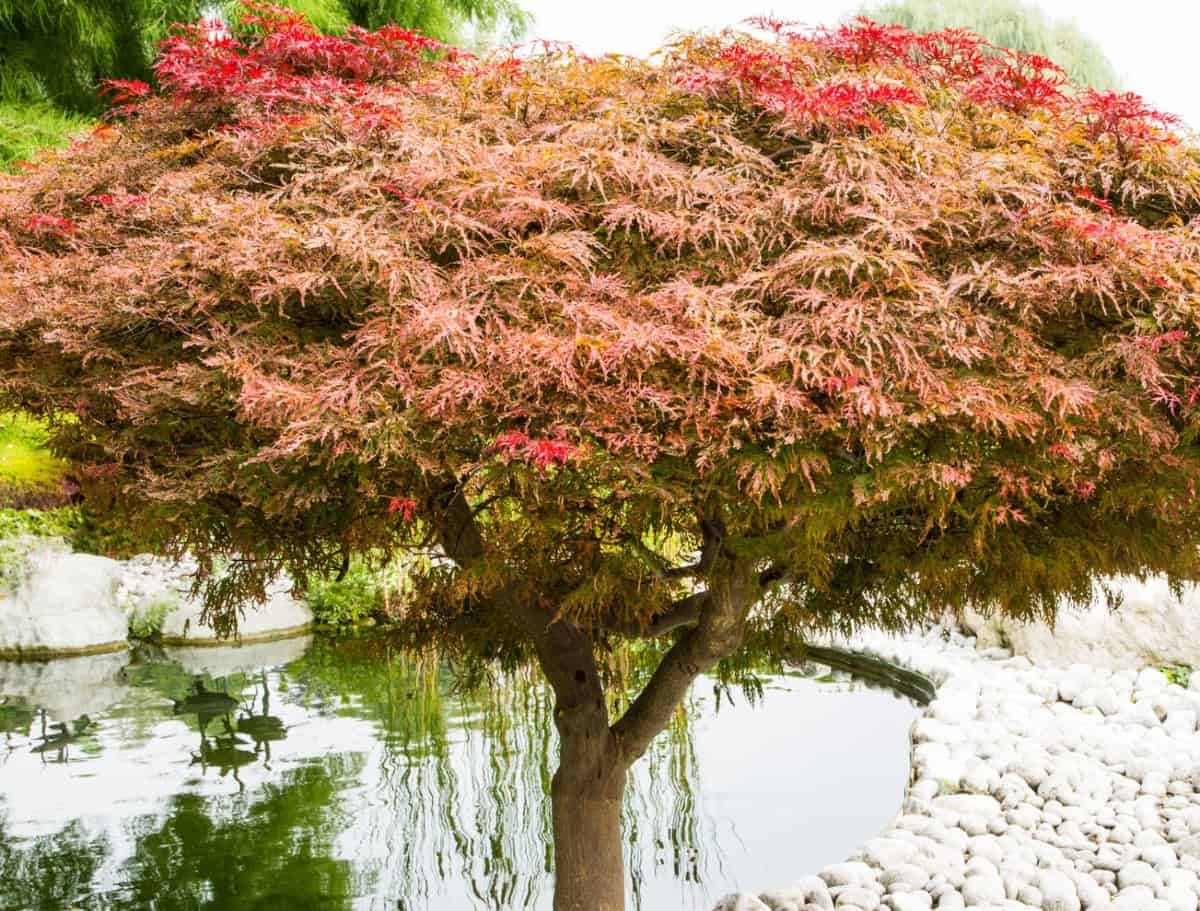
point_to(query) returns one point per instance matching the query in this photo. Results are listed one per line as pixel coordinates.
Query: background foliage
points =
(1014, 24)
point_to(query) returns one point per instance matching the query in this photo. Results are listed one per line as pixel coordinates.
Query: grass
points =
(29, 474)
(1179, 674)
(25, 129)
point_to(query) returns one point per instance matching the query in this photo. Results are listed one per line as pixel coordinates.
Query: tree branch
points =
(684, 612)
(564, 651)
(717, 632)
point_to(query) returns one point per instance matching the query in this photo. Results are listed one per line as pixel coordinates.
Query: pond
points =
(344, 773)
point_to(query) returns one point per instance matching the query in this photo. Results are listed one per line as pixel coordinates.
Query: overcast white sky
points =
(1152, 43)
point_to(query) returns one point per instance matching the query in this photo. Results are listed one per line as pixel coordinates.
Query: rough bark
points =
(585, 798)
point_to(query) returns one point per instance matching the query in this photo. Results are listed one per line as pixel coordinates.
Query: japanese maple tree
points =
(864, 324)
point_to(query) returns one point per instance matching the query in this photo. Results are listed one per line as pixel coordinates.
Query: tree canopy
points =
(767, 337)
(1014, 24)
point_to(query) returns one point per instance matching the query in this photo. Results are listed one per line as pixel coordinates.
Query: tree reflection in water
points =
(52, 873)
(273, 852)
(445, 792)
(467, 776)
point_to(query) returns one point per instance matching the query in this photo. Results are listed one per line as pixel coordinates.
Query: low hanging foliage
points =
(899, 320)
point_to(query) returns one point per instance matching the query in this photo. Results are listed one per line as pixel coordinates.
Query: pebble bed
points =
(1032, 788)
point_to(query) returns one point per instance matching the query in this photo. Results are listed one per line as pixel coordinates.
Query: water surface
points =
(339, 774)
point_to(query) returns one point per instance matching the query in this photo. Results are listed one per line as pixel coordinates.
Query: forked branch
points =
(718, 632)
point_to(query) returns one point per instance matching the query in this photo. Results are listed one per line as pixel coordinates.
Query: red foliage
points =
(780, 85)
(952, 55)
(42, 225)
(542, 453)
(406, 507)
(853, 295)
(1125, 117)
(864, 41)
(1088, 196)
(1105, 231)
(124, 92)
(288, 61)
(1018, 82)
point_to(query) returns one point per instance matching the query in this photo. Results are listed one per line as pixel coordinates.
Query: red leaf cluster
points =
(286, 62)
(543, 452)
(405, 507)
(43, 225)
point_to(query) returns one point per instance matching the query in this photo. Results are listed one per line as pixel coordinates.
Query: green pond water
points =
(343, 773)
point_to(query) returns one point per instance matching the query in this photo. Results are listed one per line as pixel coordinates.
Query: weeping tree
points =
(781, 334)
(1013, 24)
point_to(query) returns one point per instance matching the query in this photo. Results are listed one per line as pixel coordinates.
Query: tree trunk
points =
(594, 756)
(589, 863)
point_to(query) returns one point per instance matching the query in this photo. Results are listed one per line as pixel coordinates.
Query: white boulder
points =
(281, 615)
(1151, 627)
(61, 603)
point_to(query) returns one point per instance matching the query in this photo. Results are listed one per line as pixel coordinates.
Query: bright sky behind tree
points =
(1151, 43)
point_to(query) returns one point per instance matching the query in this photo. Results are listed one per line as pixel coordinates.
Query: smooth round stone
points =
(850, 873)
(1138, 873)
(910, 901)
(984, 890)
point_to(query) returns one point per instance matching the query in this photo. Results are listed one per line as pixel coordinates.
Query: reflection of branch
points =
(907, 682)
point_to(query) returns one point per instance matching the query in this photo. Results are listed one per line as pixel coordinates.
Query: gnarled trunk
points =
(595, 757)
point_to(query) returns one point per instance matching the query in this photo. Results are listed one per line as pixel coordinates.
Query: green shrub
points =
(355, 598)
(1179, 673)
(148, 624)
(48, 523)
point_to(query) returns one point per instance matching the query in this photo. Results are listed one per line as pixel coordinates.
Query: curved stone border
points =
(1033, 789)
(234, 641)
(40, 653)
